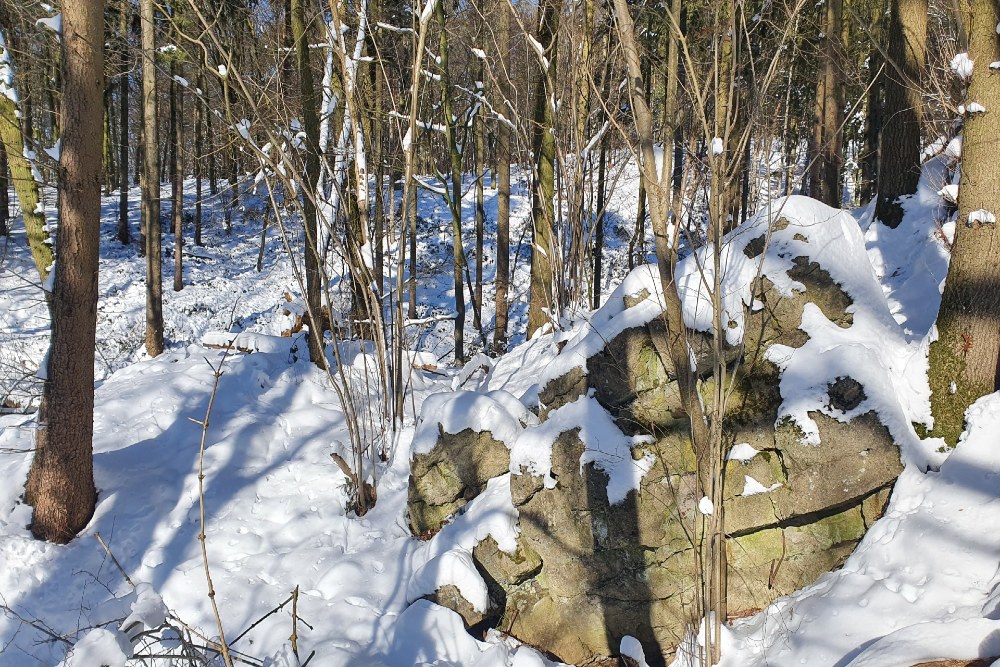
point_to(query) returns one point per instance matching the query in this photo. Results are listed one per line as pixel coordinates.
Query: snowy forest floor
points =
(920, 586)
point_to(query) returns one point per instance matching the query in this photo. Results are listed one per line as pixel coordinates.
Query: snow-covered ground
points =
(919, 587)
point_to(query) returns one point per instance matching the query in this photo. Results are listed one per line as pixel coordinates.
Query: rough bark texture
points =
(61, 481)
(900, 143)
(964, 360)
(151, 186)
(543, 143)
(310, 121)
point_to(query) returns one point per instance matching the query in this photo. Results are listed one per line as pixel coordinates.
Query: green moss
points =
(947, 367)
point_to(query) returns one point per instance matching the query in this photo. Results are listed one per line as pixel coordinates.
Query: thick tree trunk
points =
(310, 122)
(21, 171)
(542, 304)
(61, 481)
(900, 143)
(151, 186)
(964, 360)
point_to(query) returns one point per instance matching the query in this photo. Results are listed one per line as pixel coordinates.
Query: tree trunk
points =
(872, 129)
(199, 155)
(151, 186)
(21, 170)
(4, 197)
(503, 189)
(900, 144)
(825, 184)
(542, 304)
(61, 480)
(455, 197)
(310, 122)
(964, 360)
(480, 170)
(602, 162)
(177, 175)
(124, 234)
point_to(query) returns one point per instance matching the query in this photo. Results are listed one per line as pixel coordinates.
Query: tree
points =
(151, 185)
(310, 122)
(900, 137)
(542, 304)
(61, 480)
(454, 197)
(824, 182)
(22, 172)
(124, 234)
(503, 188)
(964, 360)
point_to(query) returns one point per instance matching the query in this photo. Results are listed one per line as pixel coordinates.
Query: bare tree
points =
(152, 229)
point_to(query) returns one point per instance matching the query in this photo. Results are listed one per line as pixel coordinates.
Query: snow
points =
(742, 452)
(975, 107)
(752, 487)
(922, 584)
(718, 148)
(604, 445)
(630, 647)
(53, 23)
(705, 506)
(962, 66)
(919, 587)
(98, 647)
(981, 216)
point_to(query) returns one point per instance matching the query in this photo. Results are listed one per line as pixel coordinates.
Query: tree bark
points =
(151, 186)
(310, 121)
(542, 304)
(503, 188)
(199, 155)
(4, 197)
(124, 234)
(964, 360)
(900, 137)
(455, 196)
(22, 172)
(177, 175)
(825, 185)
(61, 480)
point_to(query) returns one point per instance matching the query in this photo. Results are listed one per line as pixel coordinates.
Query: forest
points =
(499, 333)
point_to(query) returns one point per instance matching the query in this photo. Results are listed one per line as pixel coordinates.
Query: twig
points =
(295, 617)
(114, 560)
(217, 373)
(260, 620)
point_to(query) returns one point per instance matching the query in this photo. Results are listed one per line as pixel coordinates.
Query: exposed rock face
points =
(587, 572)
(453, 473)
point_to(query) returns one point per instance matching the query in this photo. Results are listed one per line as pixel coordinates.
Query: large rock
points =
(588, 572)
